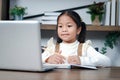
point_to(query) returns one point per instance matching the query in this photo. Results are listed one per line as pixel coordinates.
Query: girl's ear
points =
(78, 30)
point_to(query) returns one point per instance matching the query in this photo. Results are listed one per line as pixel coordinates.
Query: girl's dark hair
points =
(76, 18)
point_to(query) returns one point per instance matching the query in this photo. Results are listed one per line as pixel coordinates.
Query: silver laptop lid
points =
(20, 45)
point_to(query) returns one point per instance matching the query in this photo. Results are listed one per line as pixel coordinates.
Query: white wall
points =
(39, 6)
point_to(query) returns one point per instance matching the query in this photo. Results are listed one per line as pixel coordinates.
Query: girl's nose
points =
(64, 29)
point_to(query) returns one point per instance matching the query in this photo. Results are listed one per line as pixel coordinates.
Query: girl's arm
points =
(49, 50)
(94, 58)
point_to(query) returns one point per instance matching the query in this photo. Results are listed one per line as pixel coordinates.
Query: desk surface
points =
(112, 73)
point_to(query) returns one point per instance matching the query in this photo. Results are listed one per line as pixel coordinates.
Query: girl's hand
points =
(73, 59)
(56, 58)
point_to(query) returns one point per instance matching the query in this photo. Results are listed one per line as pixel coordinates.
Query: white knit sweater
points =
(89, 55)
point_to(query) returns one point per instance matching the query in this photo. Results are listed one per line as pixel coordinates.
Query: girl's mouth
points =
(64, 34)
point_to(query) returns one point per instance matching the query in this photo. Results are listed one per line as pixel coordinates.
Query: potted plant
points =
(110, 41)
(96, 10)
(18, 12)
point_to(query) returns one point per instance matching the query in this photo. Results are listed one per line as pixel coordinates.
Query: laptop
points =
(20, 47)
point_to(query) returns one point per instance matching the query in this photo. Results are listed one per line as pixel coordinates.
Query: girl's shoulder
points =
(51, 42)
(50, 45)
(87, 44)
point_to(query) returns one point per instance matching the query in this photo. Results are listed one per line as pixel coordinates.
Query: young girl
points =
(71, 47)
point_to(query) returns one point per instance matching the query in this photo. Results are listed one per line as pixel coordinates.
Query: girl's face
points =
(67, 29)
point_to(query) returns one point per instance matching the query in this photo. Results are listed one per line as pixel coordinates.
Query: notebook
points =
(20, 47)
(72, 66)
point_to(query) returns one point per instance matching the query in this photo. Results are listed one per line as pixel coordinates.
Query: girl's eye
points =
(60, 26)
(69, 25)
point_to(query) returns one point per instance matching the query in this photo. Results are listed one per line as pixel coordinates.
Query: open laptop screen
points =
(20, 45)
